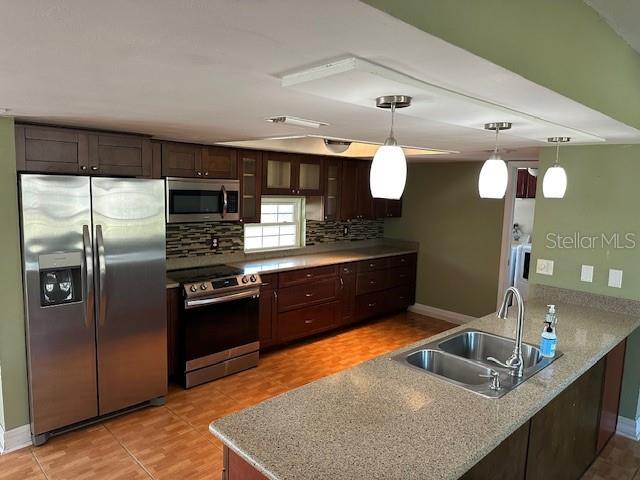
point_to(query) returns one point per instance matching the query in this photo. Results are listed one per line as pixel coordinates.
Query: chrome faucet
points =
(514, 363)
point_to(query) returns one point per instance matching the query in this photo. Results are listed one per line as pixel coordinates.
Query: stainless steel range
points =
(219, 322)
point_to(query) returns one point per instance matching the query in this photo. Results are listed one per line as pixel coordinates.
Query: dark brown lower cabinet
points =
(267, 309)
(505, 462)
(611, 389)
(559, 442)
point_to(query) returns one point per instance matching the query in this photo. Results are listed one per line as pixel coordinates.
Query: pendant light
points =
(389, 167)
(494, 175)
(554, 183)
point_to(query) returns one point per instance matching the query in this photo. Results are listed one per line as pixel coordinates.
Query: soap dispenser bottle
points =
(549, 339)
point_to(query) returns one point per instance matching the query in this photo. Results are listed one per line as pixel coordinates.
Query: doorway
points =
(517, 227)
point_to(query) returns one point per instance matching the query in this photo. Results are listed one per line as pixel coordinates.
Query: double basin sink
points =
(461, 359)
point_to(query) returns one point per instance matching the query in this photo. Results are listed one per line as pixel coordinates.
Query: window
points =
(281, 225)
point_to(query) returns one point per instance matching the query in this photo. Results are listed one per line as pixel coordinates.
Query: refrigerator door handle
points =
(88, 268)
(102, 277)
(225, 202)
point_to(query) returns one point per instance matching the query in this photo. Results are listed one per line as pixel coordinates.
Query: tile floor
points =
(173, 441)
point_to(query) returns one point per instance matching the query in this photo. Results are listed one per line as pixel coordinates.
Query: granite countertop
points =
(319, 259)
(384, 420)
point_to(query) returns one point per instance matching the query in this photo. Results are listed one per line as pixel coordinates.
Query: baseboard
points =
(15, 438)
(441, 314)
(629, 428)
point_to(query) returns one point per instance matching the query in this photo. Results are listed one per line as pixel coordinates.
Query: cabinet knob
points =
(94, 168)
(83, 167)
(308, 322)
(206, 174)
(199, 174)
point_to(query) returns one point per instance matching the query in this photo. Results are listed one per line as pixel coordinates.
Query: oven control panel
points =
(221, 285)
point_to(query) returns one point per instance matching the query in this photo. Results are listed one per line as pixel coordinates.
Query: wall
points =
(459, 236)
(523, 213)
(601, 198)
(563, 45)
(13, 373)
(194, 239)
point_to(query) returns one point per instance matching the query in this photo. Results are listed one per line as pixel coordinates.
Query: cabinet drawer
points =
(348, 268)
(373, 264)
(370, 305)
(296, 277)
(399, 298)
(303, 295)
(401, 260)
(372, 282)
(307, 321)
(399, 276)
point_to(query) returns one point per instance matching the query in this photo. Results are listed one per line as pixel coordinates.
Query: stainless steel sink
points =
(477, 346)
(461, 359)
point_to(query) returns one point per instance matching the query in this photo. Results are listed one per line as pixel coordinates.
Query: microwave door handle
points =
(102, 277)
(225, 201)
(88, 269)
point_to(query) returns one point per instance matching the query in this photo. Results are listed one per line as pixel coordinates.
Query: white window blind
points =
(281, 226)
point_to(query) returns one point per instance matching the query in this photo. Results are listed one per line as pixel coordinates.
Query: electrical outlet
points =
(615, 278)
(544, 267)
(214, 243)
(345, 230)
(586, 274)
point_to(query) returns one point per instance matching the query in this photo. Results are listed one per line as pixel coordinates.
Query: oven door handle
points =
(225, 201)
(201, 302)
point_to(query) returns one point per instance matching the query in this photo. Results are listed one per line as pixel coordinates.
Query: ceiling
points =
(212, 71)
(623, 16)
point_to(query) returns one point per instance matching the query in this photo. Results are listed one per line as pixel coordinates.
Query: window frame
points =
(298, 213)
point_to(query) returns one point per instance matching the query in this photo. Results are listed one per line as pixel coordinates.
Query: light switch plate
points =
(586, 275)
(544, 267)
(615, 278)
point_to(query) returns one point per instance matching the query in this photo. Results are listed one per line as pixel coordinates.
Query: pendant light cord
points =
(557, 153)
(495, 150)
(393, 111)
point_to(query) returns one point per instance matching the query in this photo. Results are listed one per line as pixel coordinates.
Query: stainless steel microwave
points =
(202, 200)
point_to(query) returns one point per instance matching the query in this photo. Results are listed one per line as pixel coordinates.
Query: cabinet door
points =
(364, 200)
(521, 183)
(505, 462)
(348, 292)
(531, 185)
(562, 442)
(348, 190)
(332, 188)
(267, 309)
(394, 208)
(250, 164)
(51, 150)
(116, 155)
(309, 179)
(181, 160)
(219, 162)
(614, 366)
(278, 172)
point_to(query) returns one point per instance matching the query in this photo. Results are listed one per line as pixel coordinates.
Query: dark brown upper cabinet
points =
(364, 200)
(71, 151)
(51, 150)
(250, 165)
(291, 174)
(125, 155)
(525, 184)
(332, 188)
(385, 208)
(356, 201)
(197, 161)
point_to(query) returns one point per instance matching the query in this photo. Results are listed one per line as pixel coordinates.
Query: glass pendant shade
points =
(388, 172)
(554, 184)
(494, 177)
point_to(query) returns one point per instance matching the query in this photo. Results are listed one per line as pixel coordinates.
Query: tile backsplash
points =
(194, 239)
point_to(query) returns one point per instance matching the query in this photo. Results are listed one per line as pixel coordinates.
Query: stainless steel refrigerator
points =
(94, 282)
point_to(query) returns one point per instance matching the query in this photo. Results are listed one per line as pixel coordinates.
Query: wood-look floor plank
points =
(173, 441)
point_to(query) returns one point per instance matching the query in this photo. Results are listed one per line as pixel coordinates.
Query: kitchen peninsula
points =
(382, 419)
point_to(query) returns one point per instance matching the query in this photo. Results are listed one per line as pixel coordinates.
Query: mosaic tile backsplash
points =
(194, 239)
